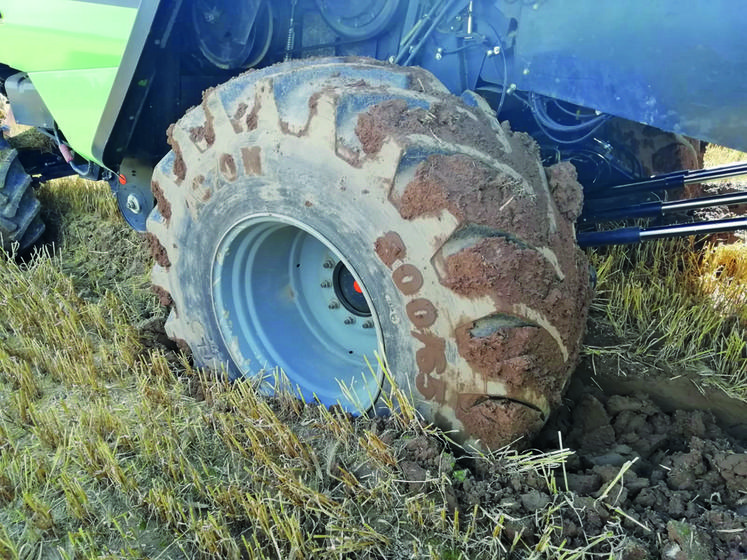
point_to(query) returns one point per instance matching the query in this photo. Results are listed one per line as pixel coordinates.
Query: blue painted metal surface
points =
(678, 66)
(275, 306)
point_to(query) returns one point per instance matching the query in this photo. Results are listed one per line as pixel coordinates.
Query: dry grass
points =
(680, 307)
(720, 155)
(113, 447)
(680, 304)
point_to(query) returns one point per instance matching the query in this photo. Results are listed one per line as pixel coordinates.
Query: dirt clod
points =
(687, 482)
(164, 206)
(690, 542)
(164, 297)
(565, 188)
(180, 166)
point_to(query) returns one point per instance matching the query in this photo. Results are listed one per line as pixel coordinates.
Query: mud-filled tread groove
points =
(529, 405)
(20, 224)
(487, 326)
(160, 255)
(469, 235)
(447, 234)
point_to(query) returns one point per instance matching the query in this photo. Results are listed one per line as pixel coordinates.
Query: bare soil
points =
(684, 487)
(688, 484)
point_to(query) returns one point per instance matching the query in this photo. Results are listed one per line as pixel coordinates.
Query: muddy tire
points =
(20, 224)
(316, 214)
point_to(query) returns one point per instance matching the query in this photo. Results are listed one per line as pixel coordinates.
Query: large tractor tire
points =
(315, 215)
(20, 224)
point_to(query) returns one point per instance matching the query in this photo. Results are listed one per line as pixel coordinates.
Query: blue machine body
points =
(681, 67)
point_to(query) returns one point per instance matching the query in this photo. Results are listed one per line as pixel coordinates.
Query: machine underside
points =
(557, 72)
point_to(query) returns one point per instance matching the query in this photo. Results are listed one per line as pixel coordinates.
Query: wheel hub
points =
(285, 297)
(349, 292)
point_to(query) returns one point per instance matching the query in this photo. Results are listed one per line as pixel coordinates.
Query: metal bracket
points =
(134, 197)
(28, 106)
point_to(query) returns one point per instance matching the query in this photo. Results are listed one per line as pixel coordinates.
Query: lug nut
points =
(349, 321)
(368, 325)
(333, 304)
(329, 263)
(326, 284)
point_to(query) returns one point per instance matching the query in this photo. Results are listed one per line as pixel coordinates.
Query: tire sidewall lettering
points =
(431, 356)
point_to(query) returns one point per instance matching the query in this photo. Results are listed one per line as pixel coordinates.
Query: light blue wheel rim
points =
(276, 309)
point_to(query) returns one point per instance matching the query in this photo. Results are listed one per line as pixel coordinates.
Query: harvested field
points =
(113, 446)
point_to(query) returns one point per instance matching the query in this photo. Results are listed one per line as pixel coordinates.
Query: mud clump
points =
(158, 251)
(164, 206)
(370, 134)
(164, 297)
(395, 118)
(180, 166)
(565, 188)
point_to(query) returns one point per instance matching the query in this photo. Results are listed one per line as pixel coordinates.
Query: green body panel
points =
(71, 50)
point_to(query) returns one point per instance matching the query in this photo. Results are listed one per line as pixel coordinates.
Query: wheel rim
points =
(285, 297)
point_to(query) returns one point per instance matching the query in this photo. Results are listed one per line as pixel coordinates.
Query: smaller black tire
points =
(20, 224)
